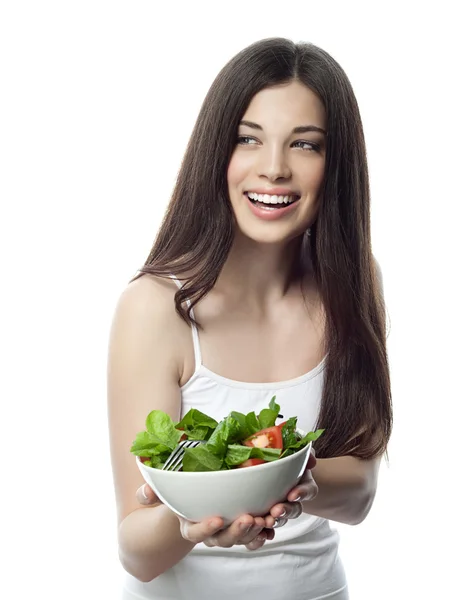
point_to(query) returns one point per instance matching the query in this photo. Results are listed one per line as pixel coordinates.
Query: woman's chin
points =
(248, 233)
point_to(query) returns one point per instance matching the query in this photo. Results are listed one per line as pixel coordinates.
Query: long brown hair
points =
(197, 231)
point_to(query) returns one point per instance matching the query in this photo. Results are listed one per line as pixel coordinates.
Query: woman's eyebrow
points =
(301, 129)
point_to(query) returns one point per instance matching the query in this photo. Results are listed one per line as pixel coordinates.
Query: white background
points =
(97, 103)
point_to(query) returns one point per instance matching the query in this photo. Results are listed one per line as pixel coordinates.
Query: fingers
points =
(307, 489)
(270, 520)
(285, 511)
(247, 531)
(257, 529)
(269, 534)
(241, 531)
(311, 459)
(258, 542)
(279, 522)
(145, 495)
(200, 532)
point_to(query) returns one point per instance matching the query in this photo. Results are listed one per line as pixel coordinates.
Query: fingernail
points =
(298, 499)
(143, 492)
(277, 523)
(283, 514)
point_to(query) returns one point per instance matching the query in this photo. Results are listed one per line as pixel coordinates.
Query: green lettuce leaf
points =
(147, 444)
(252, 423)
(201, 459)
(242, 420)
(197, 425)
(288, 432)
(311, 436)
(161, 427)
(238, 454)
(227, 432)
(199, 433)
(267, 417)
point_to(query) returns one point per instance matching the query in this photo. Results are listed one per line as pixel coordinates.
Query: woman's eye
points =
(307, 145)
(245, 140)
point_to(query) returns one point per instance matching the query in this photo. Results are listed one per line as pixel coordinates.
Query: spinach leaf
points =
(267, 417)
(302, 442)
(238, 454)
(244, 428)
(156, 462)
(227, 432)
(252, 423)
(288, 432)
(161, 427)
(201, 459)
(143, 443)
(197, 425)
(311, 436)
(199, 433)
(194, 418)
(146, 445)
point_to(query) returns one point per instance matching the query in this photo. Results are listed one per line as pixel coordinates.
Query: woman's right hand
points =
(248, 531)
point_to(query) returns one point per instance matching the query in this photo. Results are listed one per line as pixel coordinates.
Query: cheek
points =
(236, 171)
(314, 182)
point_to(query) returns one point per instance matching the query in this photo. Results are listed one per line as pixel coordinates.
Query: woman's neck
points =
(260, 273)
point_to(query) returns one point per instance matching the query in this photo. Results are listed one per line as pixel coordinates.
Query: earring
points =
(308, 232)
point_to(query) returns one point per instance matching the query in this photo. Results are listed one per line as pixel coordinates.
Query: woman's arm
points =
(145, 367)
(150, 542)
(346, 489)
(339, 489)
(143, 371)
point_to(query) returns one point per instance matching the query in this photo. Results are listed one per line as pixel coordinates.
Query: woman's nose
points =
(274, 165)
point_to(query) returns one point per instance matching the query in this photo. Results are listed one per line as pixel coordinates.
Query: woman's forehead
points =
(287, 105)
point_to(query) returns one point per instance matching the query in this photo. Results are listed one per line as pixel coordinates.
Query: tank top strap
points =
(195, 332)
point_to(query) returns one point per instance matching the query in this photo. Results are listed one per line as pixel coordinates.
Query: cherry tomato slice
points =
(251, 462)
(266, 438)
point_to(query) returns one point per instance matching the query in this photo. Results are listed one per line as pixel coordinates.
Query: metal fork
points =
(174, 460)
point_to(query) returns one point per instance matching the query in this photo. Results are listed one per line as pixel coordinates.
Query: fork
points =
(174, 460)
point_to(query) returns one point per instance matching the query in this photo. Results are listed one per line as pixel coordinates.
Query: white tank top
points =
(302, 561)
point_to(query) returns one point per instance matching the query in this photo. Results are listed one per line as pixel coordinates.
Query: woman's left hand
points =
(306, 489)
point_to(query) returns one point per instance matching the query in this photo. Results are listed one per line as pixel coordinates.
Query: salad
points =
(237, 441)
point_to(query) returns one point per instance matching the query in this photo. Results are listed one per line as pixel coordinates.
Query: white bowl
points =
(227, 494)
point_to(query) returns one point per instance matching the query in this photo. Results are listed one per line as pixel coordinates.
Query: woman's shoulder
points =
(158, 291)
(149, 301)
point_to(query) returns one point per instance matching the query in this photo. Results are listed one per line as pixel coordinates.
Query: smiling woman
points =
(280, 138)
(267, 236)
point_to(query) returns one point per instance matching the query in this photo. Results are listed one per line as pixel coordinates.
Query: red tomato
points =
(251, 462)
(266, 438)
(184, 435)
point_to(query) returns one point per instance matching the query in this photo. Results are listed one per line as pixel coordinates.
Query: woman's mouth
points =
(271, 202)
(269, 207)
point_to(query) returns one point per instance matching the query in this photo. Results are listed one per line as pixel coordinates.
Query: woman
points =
(267, 239)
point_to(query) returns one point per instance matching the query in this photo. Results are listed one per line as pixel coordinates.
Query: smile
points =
(275, 201)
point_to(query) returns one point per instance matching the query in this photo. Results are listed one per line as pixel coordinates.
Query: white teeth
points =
(267, 199)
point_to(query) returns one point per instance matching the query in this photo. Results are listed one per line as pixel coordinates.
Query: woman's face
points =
(276, 171)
